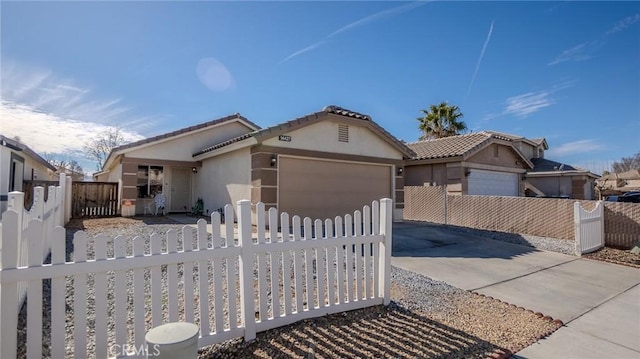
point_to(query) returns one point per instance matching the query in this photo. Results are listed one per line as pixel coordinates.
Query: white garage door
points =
(489, 183)
(325, 189)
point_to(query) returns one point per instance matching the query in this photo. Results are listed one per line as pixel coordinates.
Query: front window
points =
(150, 180)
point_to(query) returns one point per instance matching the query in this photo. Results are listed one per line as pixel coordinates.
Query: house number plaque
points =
(284, 138)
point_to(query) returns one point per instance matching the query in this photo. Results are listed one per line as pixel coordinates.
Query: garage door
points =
(325, 189)
(491, 183)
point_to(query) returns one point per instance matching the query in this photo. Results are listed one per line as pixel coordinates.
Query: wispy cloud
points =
(56, 115)
(484, 47)
(353, 25)
(587, 50)
(623, 24)
(528, 103)
(576, 147)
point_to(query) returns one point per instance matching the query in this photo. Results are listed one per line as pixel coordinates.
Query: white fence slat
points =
(357, 219)
(172, 277)
(321, 255)
(375, 210)
(231, 268)
(100, 290)
(330, 260)
(80, 297)
(297, 262)
(340, 262)
(386, 215)
(262, 263)
(187, 245)
(246, 270)
(203, 282)
(9, 293)
(366, 214)
(286, 265)
(218, 301)
(156, 282)
(308, 267)
(348, 226)
(139, 305)
(120, 251)
(58, 290)
(274, 258)
(35, 236)
(589, 228)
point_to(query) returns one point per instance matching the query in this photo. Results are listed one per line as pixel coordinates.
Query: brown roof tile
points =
(450, 146)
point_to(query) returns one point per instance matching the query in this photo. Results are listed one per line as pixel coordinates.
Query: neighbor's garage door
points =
(325, 189)
(491, 183)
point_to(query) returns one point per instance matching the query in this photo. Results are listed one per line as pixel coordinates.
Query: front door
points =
(180, 190)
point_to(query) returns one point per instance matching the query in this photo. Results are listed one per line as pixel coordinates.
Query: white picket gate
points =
(256, 284)
(50, 211)
(589, 228)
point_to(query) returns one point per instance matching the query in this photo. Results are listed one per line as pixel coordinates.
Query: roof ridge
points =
(450, 137)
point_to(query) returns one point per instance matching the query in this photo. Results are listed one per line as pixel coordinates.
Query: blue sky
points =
(566, 71)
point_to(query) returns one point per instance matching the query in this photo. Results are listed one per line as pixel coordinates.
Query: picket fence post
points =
(9, 292)
(67, 200)
(246, 269)
(386, 211)
(60, 199)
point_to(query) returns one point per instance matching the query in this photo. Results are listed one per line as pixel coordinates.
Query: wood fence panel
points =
(94, 199)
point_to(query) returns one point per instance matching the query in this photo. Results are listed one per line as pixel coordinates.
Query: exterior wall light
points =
(400, 171)
(274, 159)
(194, 170)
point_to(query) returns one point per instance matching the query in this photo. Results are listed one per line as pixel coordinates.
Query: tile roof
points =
(545, 165)
(450, 146)
(289, 125)
(184, 130)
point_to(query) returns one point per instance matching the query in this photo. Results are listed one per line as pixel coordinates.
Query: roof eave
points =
(247, 142)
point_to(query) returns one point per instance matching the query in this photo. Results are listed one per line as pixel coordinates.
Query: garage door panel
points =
(490, 183)
(325, 189)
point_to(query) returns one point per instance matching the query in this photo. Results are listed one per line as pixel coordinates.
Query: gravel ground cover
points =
(426, 318)
(617, 256)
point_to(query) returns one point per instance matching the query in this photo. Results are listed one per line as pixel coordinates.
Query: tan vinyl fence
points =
(544, 217)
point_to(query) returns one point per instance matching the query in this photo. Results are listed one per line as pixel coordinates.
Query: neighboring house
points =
(480, 163)
(618, 183)
(555, 179)
(496, 163)
(19, 163)
(164, 164)
(321, 165)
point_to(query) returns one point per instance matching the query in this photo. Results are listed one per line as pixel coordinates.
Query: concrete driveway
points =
(598, 302)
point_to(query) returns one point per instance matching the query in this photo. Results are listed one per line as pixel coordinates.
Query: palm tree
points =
(441, 121)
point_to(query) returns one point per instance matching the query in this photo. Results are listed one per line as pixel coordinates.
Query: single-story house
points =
(555, 179)
(618, 183)
(480, 163)
(19, 163)
(164, 164)
(322, 165)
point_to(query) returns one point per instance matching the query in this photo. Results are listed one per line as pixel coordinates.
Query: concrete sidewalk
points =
(598, 302)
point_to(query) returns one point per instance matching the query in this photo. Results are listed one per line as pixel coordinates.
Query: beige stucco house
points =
(321, 165)
(165, 164)
(19, 163)
(618, 183)
(480, 163)
(496, 163)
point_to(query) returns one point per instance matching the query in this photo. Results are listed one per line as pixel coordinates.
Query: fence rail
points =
(589, 228)
(230, 287)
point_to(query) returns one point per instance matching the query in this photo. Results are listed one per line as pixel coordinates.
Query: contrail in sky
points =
(486, 42)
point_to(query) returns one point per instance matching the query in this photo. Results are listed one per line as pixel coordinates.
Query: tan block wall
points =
(545, 217)
(621, 224)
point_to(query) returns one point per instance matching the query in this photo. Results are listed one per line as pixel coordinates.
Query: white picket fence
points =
(589, 228)
(52, 213)
(229, 287)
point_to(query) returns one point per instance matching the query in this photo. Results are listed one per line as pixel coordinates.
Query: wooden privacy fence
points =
(589, 228)
(29, 186)
(228, 287)
(95, 199)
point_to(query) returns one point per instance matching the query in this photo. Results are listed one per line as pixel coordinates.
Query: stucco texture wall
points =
(224, 179)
